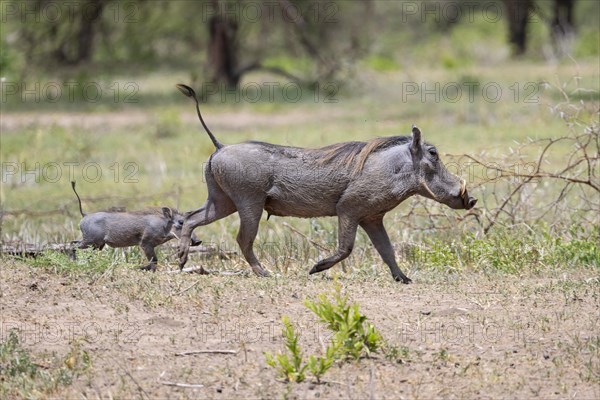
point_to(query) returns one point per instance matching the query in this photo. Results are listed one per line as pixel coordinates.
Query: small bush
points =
(21, 377)
(291, 367)
(397, 354)
(353, 338)
(581, 249)
(15, 360)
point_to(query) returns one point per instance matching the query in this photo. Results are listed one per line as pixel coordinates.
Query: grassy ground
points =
(510, 314)
(151, 153)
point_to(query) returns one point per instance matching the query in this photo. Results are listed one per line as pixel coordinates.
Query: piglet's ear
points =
(415, 145)
(168, 213)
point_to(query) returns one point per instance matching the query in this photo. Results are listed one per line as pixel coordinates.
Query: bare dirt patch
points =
(102, 121)
(461, 336)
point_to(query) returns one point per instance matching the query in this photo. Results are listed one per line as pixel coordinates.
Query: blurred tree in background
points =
(561, 23)
(309, 29)
(307, 41)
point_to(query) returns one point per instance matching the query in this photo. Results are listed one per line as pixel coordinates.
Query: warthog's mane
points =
(354, 154)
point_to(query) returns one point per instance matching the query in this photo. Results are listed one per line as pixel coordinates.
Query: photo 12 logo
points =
(69, 91)
(464, 10)
(453, 92)
(27, 12)
(13, 173)
(255, 92)
(67, 331)
(269, 11)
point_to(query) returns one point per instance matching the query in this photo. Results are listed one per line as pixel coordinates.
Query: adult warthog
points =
(357, 181)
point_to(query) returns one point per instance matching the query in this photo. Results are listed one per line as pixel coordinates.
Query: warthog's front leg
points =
(346, 235)
(151, 255)
(376, 231)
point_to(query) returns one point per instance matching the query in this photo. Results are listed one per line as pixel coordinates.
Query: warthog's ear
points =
(185, 89)
(168, 213)
(415, 145)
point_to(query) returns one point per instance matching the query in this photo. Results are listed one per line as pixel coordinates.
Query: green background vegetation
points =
(544, 94)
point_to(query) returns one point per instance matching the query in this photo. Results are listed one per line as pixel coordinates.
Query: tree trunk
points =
(78, 48)
(562, 24)
(518, 13)
(222, 51)
(87, 30)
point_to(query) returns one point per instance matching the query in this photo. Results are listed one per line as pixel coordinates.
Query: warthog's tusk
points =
(463, 187)
(433, 196)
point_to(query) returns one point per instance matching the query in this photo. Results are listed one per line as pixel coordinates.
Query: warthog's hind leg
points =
(249, 220)
(216, 207)
(376, 231)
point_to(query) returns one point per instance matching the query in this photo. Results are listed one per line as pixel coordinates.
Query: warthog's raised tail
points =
(189, 92)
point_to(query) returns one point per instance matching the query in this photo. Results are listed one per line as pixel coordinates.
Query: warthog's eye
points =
(433, 152)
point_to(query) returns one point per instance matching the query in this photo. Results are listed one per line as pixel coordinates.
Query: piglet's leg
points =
(151, 255)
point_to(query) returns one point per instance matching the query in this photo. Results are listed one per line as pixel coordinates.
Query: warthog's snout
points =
(468, 201)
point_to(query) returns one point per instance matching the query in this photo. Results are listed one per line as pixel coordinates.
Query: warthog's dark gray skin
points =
(147, 229)
(359, 182)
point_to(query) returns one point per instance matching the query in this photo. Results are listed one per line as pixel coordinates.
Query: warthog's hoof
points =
(259, 271)
(403, 279)
(149, 267)
(196, 270)
(195, 242)
(319, 267)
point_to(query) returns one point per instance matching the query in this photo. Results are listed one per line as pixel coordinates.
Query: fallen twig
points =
(140, 388)
(202, 271)
(191, 270)
(186, 289)
(181, 385)
(218, 351)
(22, 249)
